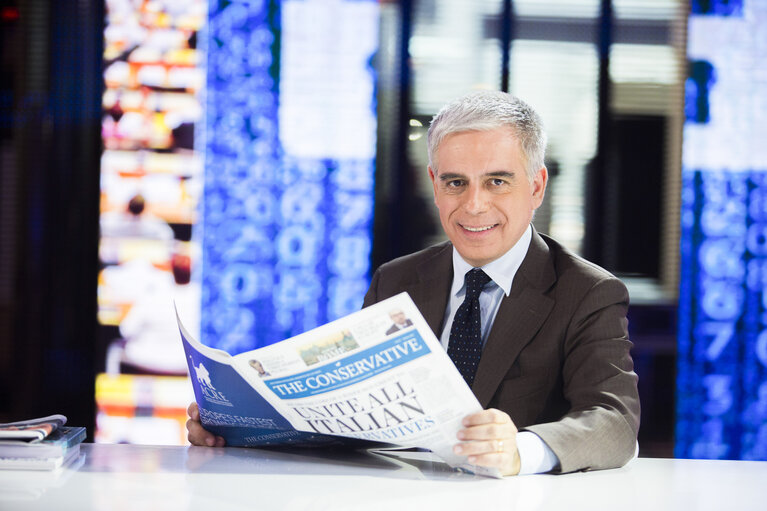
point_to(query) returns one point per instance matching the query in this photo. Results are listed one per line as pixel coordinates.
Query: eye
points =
(454, 183)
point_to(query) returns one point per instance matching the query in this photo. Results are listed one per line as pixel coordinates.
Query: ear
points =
(433, 177)
(539, 186)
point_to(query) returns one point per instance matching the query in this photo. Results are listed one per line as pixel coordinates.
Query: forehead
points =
(466, 151)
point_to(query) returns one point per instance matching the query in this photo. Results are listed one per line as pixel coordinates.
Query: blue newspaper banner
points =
(722, 343)
(289, 174)
(352, 369)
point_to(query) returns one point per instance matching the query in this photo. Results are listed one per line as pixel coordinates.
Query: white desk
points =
(145, 478)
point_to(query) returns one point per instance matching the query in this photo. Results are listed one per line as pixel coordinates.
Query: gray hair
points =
(486, 111)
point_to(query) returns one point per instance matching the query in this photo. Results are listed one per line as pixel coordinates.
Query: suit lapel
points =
(519, 318)
(430, 293)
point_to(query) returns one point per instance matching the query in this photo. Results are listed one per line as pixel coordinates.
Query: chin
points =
(475, 258)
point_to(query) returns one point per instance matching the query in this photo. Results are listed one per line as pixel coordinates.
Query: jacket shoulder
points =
(569, 264)
(410, 264)
(430, 266)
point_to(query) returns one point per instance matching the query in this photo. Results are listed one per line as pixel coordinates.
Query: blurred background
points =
(253, 161)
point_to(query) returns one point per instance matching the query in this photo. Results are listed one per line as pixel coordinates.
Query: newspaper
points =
(357, 381)
(31, 430)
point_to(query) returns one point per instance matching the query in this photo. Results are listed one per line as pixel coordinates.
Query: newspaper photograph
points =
(377, 376)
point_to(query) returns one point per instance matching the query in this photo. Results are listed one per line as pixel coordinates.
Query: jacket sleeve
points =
(600, 429)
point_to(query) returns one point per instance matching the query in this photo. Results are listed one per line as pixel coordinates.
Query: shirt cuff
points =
(534, 455)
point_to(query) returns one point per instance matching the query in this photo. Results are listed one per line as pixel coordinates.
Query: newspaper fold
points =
(31, 430)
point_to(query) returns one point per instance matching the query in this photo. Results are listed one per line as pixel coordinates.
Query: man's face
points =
(481, 189)
(398, 317)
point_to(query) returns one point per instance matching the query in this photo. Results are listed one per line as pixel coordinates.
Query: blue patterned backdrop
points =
(722, 350)
(288, 198)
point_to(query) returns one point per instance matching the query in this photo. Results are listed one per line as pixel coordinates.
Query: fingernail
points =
(458, 449)
(461, 435)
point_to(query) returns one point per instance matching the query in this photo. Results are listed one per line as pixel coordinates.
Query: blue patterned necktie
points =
(465, 344)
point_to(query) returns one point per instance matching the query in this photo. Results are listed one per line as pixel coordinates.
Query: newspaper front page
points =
(377, 375)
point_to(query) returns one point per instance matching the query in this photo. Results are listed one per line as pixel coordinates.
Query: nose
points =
(476, 200)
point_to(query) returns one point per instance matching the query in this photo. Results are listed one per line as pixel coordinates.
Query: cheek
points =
(519, 208)
(444, 204)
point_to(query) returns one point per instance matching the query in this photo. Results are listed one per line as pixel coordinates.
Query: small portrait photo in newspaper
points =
(399, 321)
(256, 364)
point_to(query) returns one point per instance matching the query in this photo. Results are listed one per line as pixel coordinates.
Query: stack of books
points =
(39, 444)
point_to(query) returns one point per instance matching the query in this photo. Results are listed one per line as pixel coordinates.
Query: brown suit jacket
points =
(557, 358)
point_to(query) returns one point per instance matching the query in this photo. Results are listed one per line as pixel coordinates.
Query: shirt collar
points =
(502, 270)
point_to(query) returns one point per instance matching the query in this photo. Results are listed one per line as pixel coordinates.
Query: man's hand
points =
(197, 435)
(490, 440)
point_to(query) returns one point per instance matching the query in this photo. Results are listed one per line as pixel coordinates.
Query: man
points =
(256, 364)
(399, 321)
(553, 367)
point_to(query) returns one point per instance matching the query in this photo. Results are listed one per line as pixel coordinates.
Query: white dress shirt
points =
(536, 457)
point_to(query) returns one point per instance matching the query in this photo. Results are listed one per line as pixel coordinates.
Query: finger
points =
(489, 416)
(198, 435)
(488, 432)
(508, 463)
(193, 411)
(481, 447)
(498, 454)
(492, 459)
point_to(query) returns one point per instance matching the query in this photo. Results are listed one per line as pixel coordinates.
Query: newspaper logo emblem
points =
(206, 387)
(203, 376)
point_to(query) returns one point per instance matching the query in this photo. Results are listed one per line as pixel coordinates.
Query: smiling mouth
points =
(478, 229)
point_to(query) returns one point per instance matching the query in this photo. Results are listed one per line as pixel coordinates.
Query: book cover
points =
(47, 463)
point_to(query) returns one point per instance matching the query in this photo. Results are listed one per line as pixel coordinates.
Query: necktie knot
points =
(474, 281)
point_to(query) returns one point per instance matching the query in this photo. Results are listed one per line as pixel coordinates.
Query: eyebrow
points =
(497, 173)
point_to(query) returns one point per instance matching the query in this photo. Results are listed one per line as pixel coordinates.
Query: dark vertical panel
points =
(57, 146)
(390, 237)
(599, 188)
(402, 175)
(637, 163)
(31, 136)
(506, 35)
(10, 37)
